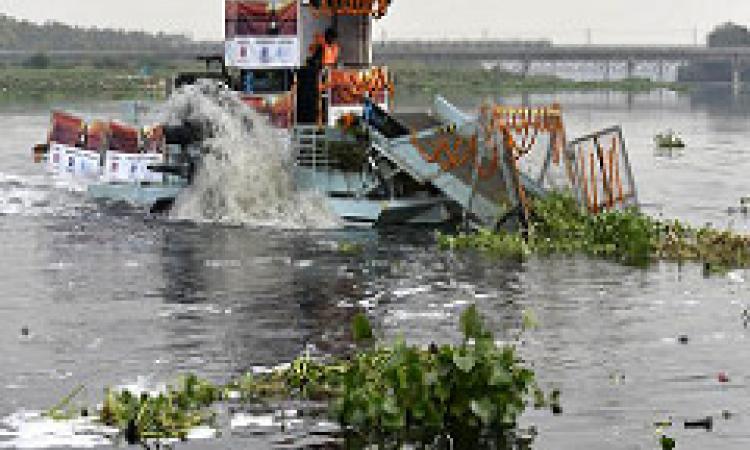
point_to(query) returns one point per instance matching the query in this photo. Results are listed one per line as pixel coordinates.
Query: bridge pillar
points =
(736, 74)
(526, 67)
(607, 70)
(661, 71)
(631, 69)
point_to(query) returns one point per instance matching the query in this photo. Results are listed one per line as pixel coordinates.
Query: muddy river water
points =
(111, 296)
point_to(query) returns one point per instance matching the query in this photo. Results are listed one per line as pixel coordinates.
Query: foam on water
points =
(33, 430)
(39, 195)
(246, 175)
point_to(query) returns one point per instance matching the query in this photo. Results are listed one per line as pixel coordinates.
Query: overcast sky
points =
(564, 21)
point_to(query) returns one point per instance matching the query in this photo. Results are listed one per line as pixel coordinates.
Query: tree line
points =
(18, 34)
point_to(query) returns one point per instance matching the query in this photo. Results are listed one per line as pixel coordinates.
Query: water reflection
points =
(109, 295)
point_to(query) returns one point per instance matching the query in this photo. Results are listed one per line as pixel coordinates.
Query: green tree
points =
(729, 35)
(37, 61)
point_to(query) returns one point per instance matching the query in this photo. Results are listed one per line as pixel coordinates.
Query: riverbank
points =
(475, 79)
(123, 82)
(85, 81)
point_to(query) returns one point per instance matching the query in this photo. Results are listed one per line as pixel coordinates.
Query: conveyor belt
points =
(393, 137)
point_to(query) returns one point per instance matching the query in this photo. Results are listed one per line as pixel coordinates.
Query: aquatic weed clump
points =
(717, 249)
(470, 394)
(558, 225)
(165, 415)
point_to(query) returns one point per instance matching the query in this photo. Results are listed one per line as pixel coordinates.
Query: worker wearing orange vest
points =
(331, 49)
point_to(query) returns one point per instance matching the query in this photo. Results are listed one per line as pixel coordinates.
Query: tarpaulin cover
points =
(96, 135)
(123, 138)
(66, 128)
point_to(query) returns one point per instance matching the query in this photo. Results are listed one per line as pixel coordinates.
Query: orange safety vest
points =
(330, 54)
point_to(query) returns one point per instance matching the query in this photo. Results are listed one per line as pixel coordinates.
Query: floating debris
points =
(669, 139)
(706, 423)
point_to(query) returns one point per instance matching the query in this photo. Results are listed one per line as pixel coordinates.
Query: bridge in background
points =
(466, 51)
(500, 51)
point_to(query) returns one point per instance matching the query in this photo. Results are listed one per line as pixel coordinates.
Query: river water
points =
(111, 296)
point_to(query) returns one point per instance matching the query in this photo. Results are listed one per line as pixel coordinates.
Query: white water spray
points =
(246, 175)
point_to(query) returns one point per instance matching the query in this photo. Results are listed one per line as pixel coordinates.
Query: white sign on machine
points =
(132, 167)
(55, 157)
(66, 159)
(263, 52)
(87, 164)
(73, 160)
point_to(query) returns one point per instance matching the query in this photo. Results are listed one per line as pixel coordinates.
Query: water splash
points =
(246, 175)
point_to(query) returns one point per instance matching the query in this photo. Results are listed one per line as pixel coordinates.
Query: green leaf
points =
(464, 363)
(472, 324)
(361, 328)
(484, 409)
(500, 375)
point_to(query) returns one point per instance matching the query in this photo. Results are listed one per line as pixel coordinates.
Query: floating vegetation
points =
(669, 139)
(350, 248)
(165, 415)
(559, 225)
(667, 443)
(471, 394)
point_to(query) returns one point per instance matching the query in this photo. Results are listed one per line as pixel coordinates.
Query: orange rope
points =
(584, 181)
(610, 176)
(486, 173)
(520, 191)
(594, 187)
(618, 180)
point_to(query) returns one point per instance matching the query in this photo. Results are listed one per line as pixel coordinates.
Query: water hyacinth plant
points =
(559, 225)
(165, 415)
(467, 393)
(470, 394)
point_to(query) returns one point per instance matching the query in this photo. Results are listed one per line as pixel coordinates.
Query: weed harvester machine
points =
(306, 66)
